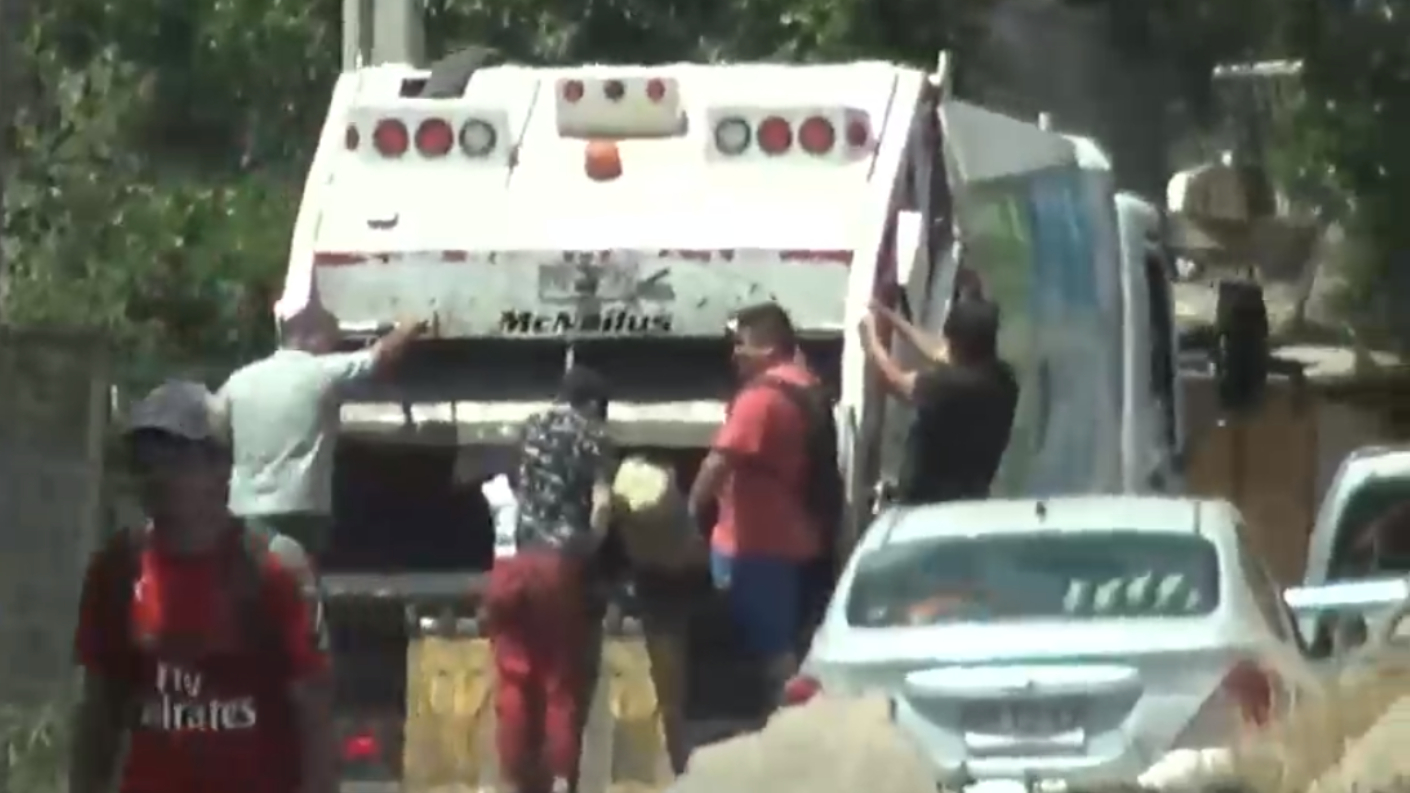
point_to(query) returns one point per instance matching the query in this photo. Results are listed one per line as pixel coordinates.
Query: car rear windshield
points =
(1093, 575)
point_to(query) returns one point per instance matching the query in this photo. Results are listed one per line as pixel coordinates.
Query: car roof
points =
(1068, 514)
(1379, 461)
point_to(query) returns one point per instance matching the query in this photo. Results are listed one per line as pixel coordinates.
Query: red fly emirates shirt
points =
(214, 715)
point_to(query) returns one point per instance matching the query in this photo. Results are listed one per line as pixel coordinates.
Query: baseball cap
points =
(182, 408)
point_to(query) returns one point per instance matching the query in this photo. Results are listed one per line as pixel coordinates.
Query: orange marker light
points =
(601, 160)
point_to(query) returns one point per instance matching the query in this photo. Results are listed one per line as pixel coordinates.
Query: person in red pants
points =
(537, 602)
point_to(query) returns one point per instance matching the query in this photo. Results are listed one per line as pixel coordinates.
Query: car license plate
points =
(570, 282)
(1027, 719)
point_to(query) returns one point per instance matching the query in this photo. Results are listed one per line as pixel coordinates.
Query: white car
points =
(1082, 639)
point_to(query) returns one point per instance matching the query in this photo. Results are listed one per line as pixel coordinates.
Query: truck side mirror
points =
(1241, 359)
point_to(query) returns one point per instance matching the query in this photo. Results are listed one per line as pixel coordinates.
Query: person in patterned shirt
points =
(538, 623)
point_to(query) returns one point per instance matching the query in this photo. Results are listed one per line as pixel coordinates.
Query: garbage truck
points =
(616, 216)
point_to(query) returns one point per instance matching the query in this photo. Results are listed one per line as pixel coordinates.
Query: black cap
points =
(181, 408)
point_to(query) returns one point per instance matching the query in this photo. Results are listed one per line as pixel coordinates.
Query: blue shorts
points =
(764, 595)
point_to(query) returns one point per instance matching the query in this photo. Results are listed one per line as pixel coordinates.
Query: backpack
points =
(245, 575)
(823, 486)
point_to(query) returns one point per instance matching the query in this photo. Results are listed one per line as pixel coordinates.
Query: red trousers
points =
(538, 629)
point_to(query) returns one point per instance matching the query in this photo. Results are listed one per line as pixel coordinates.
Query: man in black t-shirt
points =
(964, 400)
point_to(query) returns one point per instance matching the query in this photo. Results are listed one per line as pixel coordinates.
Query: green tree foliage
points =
(1349, 133)
(161, 145)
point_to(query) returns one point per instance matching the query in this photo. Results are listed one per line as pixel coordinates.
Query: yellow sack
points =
(650, 514)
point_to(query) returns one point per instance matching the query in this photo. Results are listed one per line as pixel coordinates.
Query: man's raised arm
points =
(343, 368)
(931, 346)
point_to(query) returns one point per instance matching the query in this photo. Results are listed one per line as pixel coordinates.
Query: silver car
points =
(1063, 640)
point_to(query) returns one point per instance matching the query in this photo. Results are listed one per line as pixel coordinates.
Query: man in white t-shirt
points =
(282, 416)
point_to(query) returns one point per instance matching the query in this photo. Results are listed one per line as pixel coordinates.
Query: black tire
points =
(451, 74)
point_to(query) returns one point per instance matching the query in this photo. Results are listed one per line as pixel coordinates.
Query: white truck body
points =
(523, 257)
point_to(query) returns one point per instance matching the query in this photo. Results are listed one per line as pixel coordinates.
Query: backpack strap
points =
(809, 399)
(814, 404)
(809, 405)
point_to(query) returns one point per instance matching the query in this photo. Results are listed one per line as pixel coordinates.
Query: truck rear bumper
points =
(677, 424)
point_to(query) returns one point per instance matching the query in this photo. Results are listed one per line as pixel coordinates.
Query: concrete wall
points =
(53, 409)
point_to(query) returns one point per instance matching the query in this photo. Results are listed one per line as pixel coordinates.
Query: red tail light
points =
(774, 135)
(800, 689)
(1254, 689)
(390, 138)
(572, 90)
(816, 136)
(655, 90)
(434, 138)
(361, 748)
(858, 134)
(1246, 698)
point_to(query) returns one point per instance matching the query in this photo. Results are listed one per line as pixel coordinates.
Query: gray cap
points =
(182, 408)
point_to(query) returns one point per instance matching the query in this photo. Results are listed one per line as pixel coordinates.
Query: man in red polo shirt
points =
(757, 471)
(200, 640)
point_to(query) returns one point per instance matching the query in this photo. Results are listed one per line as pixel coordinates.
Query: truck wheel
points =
(451, 74)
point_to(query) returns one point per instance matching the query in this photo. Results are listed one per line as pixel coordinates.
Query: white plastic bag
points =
(504, 509)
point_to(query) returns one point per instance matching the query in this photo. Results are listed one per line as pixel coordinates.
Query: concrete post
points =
(398, 32)
(354, 50)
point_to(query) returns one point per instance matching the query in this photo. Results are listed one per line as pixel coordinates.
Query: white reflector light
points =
(477, 138)
(732, 135)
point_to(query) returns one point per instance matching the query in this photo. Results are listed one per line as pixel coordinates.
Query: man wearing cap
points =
(201, 642)
(537, 604)
(282, 413)
(964, 400)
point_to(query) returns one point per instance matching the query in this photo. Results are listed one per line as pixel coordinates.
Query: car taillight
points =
(655, 90)
(816, 136)
(799, 689)
(361, 748)
(572, 90)
(1254, 689)
(774, 135)
(390, 138)
(1246, 698)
